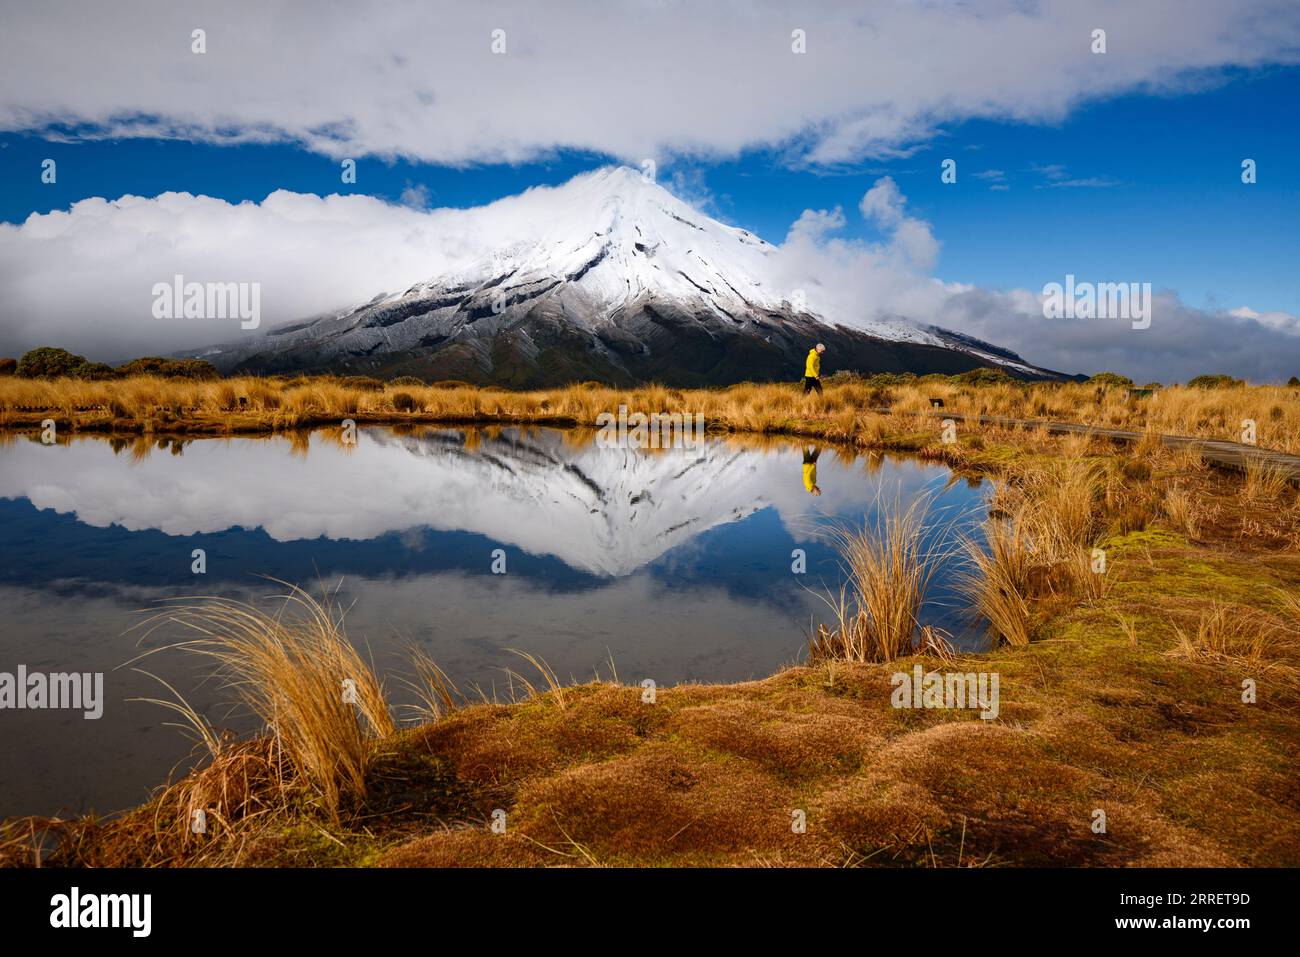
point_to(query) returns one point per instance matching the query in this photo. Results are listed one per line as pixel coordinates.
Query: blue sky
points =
(1169, 207)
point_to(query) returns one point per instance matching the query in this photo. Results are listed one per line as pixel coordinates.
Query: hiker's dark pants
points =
(811, 383)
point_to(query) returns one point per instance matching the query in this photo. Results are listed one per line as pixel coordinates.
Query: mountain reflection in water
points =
(674, 563)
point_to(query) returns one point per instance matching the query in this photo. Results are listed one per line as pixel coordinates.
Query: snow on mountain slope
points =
(610, 277)
(617, 236)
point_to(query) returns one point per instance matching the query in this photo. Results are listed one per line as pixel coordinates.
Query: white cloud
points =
(1281, 321)
(1058, 177)
(1182, 341)
(883, 203)
(864, 281)
(886, 207)
(1052, 171)
(1086, 182)
(813, 224)
(632, 79)
(415, 195)
(855, 281)
(83, 278)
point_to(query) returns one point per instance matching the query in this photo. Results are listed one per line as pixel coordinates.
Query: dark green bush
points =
(884, 379)
(145, 365)
(1217, 381)
(170, 368)
(49, 362)
(982, 376)
(96, 370)
(842, 376)
(193, 369)
(1111, 379)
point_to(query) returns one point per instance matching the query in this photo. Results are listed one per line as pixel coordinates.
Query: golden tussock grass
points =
(1224, 631)
(1263, 482)
(997, 582)
(1049, 516)
(1182, 510)
(1041, 541)
(253, 403)
(436, 693)
(320, 701)
(889, 563)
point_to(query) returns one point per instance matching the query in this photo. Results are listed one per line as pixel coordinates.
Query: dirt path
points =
(1220, 452)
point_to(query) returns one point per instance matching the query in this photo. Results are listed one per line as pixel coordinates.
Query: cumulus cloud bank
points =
(631, 79)
(83, 278)
(849, 280)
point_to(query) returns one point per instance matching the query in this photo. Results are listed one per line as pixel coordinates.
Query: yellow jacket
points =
(810, 475)
(813, 368)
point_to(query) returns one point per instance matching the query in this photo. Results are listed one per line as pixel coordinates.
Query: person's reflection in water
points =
(810, 470)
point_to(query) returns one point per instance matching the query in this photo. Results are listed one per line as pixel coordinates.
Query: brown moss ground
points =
(1186, 773)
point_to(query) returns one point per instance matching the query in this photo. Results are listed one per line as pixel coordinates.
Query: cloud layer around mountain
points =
(853, 278)
(82, 278)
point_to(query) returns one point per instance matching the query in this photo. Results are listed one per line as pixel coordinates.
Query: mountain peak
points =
(621, 181)
(613, 236)
(622, 195)
(624, 178)
(607, 276)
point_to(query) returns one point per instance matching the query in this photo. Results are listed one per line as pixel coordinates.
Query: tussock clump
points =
(1264, 482)
(889, 562)
(295, 669)
(1182, 510)
(1041, 540)
(998, 580)
(1227, 632)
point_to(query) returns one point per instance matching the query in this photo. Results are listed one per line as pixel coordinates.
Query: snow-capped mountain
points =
(607, 277)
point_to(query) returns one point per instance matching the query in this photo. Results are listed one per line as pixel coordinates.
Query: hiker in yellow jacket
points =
(812, 370)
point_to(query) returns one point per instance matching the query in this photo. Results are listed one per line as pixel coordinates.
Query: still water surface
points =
(676, 564)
